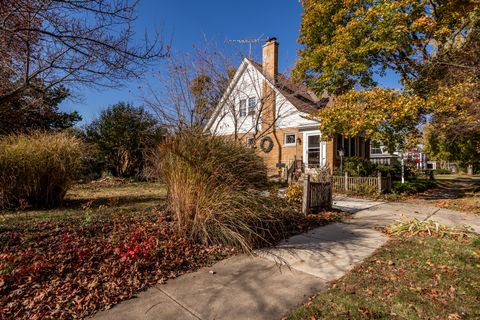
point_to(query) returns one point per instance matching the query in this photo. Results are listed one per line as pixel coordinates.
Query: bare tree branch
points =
(80, 42)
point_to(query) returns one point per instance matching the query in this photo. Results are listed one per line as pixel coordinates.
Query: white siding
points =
(289, 116)
(250, 84)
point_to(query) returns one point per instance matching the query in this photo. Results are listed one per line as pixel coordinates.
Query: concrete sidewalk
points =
(270, 284)
(371, 214)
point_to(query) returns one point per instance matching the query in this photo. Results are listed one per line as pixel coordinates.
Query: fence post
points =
(346, 182)
(306, 195)
(330, 193)
(380, 182)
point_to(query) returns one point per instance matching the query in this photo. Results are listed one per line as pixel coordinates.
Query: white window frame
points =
(323, 147)
(252, 107)
(285, 144)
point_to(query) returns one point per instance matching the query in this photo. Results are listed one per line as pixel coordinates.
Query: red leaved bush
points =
(69, 269)
(137, 246)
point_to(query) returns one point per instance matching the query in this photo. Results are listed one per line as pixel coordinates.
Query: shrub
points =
(412, 187)
(359, 167)
(365, 189)
(294, 193)
(123, 135)
(37, 169)
(394, 171)
(212, 185)
(442, 171)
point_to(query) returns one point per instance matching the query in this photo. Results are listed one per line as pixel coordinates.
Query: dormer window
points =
(243, 108)
(252, 105)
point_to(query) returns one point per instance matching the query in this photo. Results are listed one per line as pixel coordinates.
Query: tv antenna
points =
(250, 42)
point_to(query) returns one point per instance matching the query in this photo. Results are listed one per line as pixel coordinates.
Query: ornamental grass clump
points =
(214, 191)
(37, 169)
(415, 227)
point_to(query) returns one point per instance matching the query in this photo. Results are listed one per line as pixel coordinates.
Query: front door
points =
(314, 150)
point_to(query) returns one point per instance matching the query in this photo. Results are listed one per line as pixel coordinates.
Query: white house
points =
(269, 111)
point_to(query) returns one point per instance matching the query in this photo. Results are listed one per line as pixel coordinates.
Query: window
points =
(376, 149)
(252, 105)
(313, 151)
(348, 145)
(243, 108)
(353, 147)
(290, 140)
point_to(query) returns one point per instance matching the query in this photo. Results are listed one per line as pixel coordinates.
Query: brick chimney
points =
(270, 69)
(270, 58)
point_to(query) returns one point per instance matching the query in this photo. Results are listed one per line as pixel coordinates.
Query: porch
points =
(316, 153)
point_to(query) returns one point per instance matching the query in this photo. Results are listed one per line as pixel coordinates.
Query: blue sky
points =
(187, 22)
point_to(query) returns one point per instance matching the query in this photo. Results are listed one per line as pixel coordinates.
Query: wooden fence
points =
(362, 184)
(317, 196)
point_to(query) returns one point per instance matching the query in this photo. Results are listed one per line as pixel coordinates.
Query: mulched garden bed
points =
(71, 268)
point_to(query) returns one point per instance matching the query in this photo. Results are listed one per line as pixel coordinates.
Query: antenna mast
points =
(250, 42)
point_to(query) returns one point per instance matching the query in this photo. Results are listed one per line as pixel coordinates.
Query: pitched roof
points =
(297, 94)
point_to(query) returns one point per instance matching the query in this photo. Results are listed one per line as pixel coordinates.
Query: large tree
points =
(36, 109)
(382, 115)
(347, 44)
(452, 84)
(70, 43)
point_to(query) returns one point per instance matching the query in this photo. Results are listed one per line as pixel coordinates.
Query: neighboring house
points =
(380, 155)
(417, 156)
(270, 112)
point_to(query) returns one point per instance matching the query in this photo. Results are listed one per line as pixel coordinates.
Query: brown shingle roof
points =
(297, 94)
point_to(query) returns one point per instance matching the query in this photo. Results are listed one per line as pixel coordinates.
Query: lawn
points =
(97, 199)
(468, 204)
(418, 277)
(110, 240)
(468, 199)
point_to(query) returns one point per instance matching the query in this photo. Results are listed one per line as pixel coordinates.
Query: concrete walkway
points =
(270, 284)
(371, 214)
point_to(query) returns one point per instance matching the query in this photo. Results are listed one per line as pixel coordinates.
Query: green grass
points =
(409, 278)
(95, 200)
(412, 186)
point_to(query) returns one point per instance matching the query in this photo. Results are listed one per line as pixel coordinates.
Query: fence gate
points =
(317, 195)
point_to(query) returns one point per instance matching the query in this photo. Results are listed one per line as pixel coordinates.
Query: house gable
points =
(248, 83)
